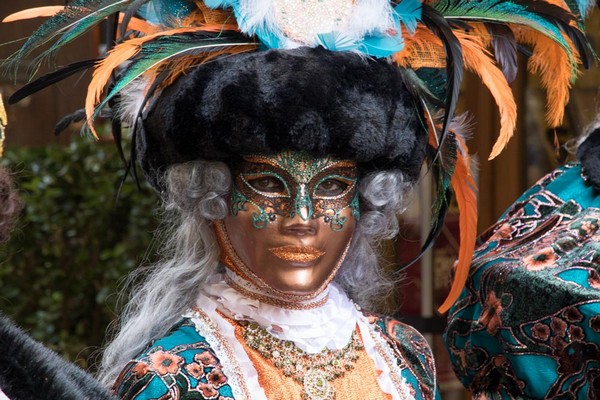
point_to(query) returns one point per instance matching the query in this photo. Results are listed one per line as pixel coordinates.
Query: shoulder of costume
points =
(30, 369)
(411, 350)
(181, 362)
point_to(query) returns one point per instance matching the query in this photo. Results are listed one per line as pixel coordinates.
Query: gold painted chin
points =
(304, 254)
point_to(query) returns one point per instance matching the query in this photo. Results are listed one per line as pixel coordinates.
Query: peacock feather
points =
(151, 55)
(64, 27)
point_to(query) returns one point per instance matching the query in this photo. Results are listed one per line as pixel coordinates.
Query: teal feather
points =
(409, 13)
(271, 39)
(166, 12)
(508, 12)
(337, 41)
(67, 25)
(580, 8)
(167, 48)
(381, 46)
(214, 4)
(420, 88)
(435, 79)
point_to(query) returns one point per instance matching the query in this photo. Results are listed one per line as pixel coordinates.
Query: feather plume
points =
(543, 17)
(560, 15)
(421, 50)
(555, 71)
(50, 79)
(67, 25)
(132, 23)
(146, 54)
(36, 12)
(454, 61)
(466, 197)
(505, 50)
(478, 60)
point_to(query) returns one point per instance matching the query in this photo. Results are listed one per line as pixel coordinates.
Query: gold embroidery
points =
(358, 383)
(313, 371)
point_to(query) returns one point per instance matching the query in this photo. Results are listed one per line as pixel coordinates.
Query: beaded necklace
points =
(313, 371)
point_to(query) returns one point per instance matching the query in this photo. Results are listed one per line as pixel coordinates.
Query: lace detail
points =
(386, 360)
(232, 369)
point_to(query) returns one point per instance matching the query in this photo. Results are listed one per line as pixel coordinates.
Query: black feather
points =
(50, 79)
(434, 232)
(505, 49)
(454, 62)
(67, 120)
(129, 13)
(132, 165)
(77, 116)
(112, 24)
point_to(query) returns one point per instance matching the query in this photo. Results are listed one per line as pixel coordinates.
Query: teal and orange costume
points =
(369, 85)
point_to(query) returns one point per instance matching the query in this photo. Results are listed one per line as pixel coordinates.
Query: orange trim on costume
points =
(358, 383)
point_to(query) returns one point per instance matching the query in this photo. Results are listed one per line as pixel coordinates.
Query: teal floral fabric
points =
(179, 366)
(182, 365)
(527, 324)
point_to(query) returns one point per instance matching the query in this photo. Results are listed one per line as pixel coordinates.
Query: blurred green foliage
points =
(73, 244)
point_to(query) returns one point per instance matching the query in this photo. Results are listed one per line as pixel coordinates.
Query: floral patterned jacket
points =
(182, 365)
(527, 324)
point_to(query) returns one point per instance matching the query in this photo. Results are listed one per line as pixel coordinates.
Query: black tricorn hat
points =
(313, 100)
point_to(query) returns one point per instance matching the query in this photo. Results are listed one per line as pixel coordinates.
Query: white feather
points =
(253, 14)
(131, 101)
(371, 16)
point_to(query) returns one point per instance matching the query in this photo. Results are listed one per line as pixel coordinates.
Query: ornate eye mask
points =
(295, 183)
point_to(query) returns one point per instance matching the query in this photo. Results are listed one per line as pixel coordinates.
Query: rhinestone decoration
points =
(303, 20)
(314, 371)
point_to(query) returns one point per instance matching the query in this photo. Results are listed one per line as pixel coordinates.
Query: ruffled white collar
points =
(329, 325)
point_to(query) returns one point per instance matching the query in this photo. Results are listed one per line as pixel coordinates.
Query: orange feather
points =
(182, 65)
(136, 24)
(465, 191)
(557, 72)
(421, 50)
(478, 59)
(139, 25)
(36, 12)
(121, 53)
(117, 56)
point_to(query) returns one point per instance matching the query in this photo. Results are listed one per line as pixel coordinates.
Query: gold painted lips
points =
(302, 254)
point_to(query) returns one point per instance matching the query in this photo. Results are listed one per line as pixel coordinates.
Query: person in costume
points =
(278, 218)
(527, 324)
(284, 136)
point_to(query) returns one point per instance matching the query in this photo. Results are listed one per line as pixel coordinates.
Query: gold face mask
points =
(292, 218)
(295, 183)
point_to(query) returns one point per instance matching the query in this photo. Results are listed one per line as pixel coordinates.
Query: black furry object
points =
(313, 100)
(29, 371)
(588, 154)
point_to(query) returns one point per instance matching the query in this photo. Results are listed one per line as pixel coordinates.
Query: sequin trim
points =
(391, 359)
